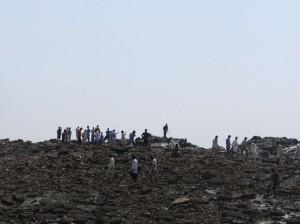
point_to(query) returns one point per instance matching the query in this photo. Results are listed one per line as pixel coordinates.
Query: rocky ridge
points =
(50, 182)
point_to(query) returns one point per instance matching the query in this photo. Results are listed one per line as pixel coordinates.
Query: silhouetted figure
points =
(64, 136)
(79, 135)
(93, 134)
(146, 136)
(131, 138)
(235, 147)
(107, 135)
(88, 133)
(59, 133)
(166, 129)
(228, 144)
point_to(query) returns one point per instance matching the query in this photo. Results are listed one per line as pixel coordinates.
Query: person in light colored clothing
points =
(235, 147)
(111, 168)
(215, 143)
(123, 138)
(154, 170)
(253, 151)
(134, 171)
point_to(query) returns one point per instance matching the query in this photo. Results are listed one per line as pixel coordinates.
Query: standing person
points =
(253, 151)
(166, 129)
(101, 138)
(154, 170)
(275, 180)
(58, 133)
(235, 147)
(228, 144)
(123, 138)
(93, 134)
(175, 151)
(88, 133)
(134, 171)
(113, 136)
(106, 135)
(69, 134)
(131, 138)
(111, 168)
(215, 144)
(244, 147)
(96, 137)
(146, 136)
(79, 135)
(64, 135)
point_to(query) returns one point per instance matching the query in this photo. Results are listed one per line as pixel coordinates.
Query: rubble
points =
(51, 182)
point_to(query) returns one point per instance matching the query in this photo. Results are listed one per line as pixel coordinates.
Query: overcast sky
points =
(203, 67)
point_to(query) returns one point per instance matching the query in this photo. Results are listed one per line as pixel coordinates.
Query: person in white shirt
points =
(134, 171)
(111, 168)
(154, 170)
(235, 146)
(215, 144)
(123, 138)
(253, 151)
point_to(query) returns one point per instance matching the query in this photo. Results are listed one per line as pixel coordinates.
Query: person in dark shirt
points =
(58, 133)
(166, 129)
(146, 136)
(275, 180)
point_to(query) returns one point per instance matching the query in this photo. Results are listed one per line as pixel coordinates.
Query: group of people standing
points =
(95, 135)
(234, 148)
(134, 169)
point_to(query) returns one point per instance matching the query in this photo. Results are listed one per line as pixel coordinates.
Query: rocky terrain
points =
(51, 182)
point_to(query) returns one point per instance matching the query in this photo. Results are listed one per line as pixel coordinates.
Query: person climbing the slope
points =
(111, 168)
(134, 171)
(154, 170)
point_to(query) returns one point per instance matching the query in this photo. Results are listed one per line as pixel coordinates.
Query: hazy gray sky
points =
(204, 67)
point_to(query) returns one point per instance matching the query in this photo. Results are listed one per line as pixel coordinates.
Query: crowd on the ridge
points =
(95, 136)
(233, 149)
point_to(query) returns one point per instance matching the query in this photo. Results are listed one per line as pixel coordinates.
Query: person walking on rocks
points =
(275, 181)
(228, 145)
(131, 138)
(146, 136)
(69, 134)
(134, 171)
(111, 168)
(175, 151)
(59, 133)
(107, 135)
(64, 136)
(154, 170)
(215, 144)
(166, 129)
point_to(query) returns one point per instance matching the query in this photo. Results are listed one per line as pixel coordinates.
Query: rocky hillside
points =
(51, 182)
